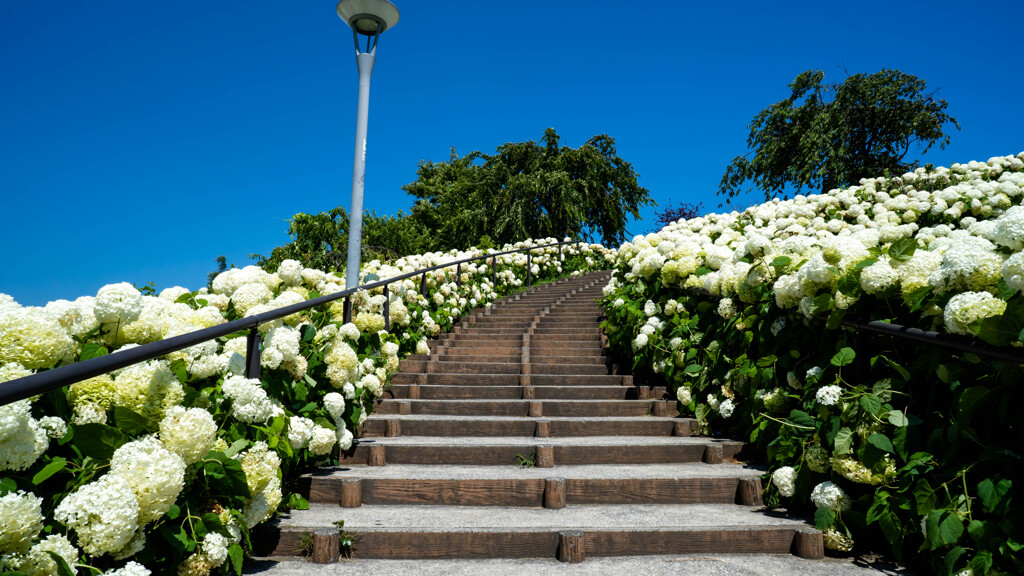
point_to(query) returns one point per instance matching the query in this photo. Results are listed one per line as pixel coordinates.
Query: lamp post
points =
(369, 18)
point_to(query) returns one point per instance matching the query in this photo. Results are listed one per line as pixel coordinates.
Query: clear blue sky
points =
(140, 140)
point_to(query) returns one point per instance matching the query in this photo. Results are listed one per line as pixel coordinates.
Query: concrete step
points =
(546, 452)
(691, 483)
(408, 532)
(536, 408)
(509, 379)
(482, 426)
(442, 392)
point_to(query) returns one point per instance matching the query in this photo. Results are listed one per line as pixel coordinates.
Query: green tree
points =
(321, 240)
(528, 190)
(831, 135)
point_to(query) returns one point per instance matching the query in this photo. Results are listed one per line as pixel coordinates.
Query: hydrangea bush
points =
(163, 467)
(890, 443)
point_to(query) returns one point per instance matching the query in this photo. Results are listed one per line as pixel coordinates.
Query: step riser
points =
(530, 492)
(507, 379)
(509, 455)
(428, 392)
(541, 544)
(550, 408)
(374, 427)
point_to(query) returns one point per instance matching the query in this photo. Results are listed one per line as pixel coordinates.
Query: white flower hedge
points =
(904, 445)
(163, 467)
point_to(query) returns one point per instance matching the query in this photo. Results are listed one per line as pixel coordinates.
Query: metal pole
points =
(355, 217)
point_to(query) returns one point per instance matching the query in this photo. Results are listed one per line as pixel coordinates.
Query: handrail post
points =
(458, 275)
(529, 265)
(561, 268)
(423, 285)
(252, 353)
(387, 309)
(494, 271)
(347, 311)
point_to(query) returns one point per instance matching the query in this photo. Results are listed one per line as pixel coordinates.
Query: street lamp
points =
(369, 18)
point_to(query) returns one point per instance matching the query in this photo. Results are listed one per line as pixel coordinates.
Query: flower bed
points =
(164, 466)
(892, 444)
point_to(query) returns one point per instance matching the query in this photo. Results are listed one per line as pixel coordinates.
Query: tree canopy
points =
(528, 190)
(831, 135)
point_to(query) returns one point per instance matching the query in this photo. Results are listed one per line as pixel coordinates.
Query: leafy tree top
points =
(826, 136)
(529, 190)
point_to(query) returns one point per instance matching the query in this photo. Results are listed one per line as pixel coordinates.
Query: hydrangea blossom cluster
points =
(178, 396)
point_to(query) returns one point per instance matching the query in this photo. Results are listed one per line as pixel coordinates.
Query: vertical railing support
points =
(561, 267)
(494, 271)
(861, 358)
(458, 275)
(387, 309)
(347, 310)
(529, 266)
(252, 353)
(423, 285)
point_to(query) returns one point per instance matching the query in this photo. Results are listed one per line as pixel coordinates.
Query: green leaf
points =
(844, 357)
(92, 350)
(865, 263)
(903, 249)
(236, 447)
(802, 419)
(175, 536)
(944, 529)
(297, 502)
(1006, 328)
(692, 369)
(898, 418)
(824, 518)
(871, 403)
(236, 556)
(835, 319)
(129, 421)
(924, 497)
(844, 441)
(903, 372)
(55, 465)
(1005, 292)
(62, 565)
(992, 493)
(821, 303)
(180, 370)
(917, 298)
(982, 562)
(7, 485)
(880, 441)
(781, 261)
(225, 476)
(99, 440)
(849, 285)
(767, 361)
(173, 512)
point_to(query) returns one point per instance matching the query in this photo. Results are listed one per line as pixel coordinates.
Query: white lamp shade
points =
(363, 16)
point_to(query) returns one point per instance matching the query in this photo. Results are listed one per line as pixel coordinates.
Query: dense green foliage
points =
(529, 190)
(826, 136)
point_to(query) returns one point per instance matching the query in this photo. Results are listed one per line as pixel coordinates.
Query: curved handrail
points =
(28, 386)
(953, 341)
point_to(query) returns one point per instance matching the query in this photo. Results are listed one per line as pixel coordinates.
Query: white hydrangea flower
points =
(21, 519)
(335, 404)
(640, 341)
(189, 433)
(155, 474)
(349, 331)
(290, 272)
(813, 374)
(300, 430)
(372, 383)
(130, 569)
(828, 395)
(1013, 271)
(831, 496)
(727, 308)
(33, 338)
(38, 561)
(250, 401)
(726, 407)
(117, 303)
(103, 514)
(55, 427)
(968, 307)
(22, 439)
(784, 479)
(345, 438)
(322, 441)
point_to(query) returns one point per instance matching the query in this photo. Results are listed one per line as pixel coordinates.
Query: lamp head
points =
(368, 17)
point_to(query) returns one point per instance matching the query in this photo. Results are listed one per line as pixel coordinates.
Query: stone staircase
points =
(515, 438)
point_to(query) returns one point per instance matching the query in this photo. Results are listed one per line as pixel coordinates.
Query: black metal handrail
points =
(953, 341)
(28, 386)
